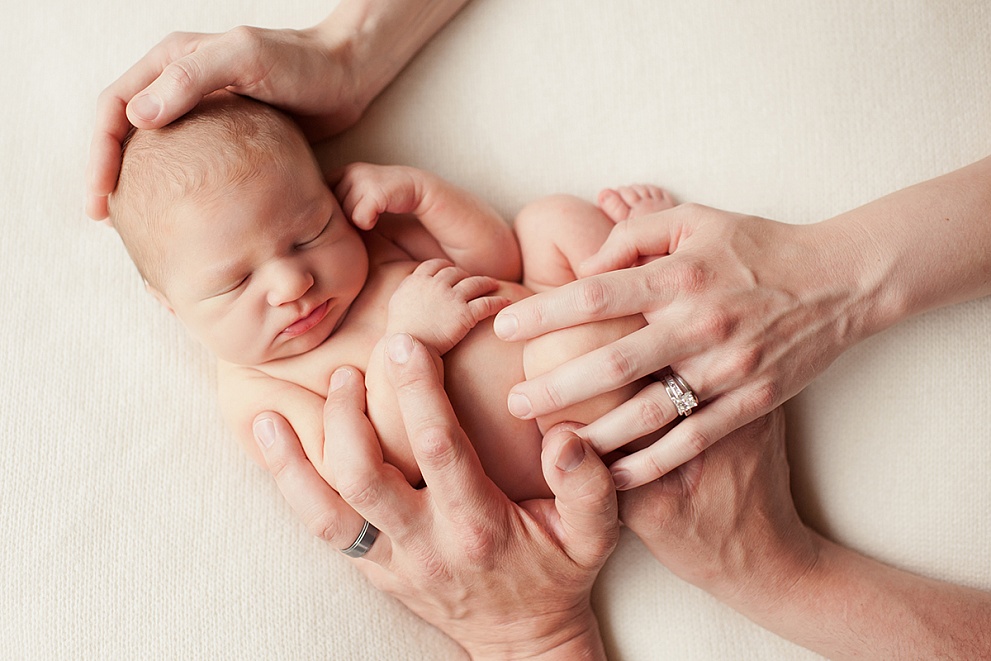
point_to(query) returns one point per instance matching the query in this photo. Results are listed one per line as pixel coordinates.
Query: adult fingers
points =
(646, 412)
(587, 525)
(378, 491)
(448, 463)
(688, 439)
(601, 370)
(323, 512)
(606, 296)
(112, 122)
(217, 62)
(645, 236)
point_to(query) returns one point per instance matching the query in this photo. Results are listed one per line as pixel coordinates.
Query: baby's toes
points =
(643, 199)
(614, 205)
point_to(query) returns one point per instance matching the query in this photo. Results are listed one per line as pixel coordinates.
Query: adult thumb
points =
(585, 497)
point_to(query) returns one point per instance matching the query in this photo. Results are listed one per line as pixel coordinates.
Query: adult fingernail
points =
(505, 325)
(621, 479)
(146, 106)
(571, 455)
(339, 378)
(265, 432)
(400, 348)
(519, 405)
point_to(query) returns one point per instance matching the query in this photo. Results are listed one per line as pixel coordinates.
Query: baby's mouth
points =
(303, 325)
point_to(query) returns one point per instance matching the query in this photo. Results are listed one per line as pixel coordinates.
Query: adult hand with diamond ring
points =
(503, 580)
(747, 310)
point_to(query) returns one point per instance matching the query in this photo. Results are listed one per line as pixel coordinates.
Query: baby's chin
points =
(285, 351)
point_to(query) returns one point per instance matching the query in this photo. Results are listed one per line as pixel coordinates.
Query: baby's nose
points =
(288, 285)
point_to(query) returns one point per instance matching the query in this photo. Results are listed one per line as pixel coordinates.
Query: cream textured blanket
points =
(132, 525)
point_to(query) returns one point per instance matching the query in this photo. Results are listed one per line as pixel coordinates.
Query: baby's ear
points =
(160, 297)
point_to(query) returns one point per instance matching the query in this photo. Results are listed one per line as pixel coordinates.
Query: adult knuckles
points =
(764, 397)
(651, 413)
(547, 394)
(479, 544)
(746, 361)
(244, 39)
(360, 491)
(181, 76)
(591, 298)
(695, 441)
(324, 525)
(690, 276)
(618, 367)
(715, 326)
(435, 443)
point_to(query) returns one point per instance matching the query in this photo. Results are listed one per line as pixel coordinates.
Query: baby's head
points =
(228, 218)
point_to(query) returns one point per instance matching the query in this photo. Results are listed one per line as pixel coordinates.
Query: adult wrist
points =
(767, 573)
(377, 39)
(576, 638)
(341, 44)
(852, 280)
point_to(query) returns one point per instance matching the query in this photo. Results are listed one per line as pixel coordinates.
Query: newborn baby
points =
(235, 230)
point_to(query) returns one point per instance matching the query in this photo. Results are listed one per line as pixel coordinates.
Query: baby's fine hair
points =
(220, 143)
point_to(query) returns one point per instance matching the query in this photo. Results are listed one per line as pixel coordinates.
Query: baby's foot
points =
(628, 202)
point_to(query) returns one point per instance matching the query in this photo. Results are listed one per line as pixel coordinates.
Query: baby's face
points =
(265, 269)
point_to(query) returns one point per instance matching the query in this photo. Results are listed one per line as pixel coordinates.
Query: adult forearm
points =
(920, 248)
(848, 606)
(379, 37)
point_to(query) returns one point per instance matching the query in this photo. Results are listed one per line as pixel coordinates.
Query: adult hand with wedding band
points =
(737, 309)
(503, 580)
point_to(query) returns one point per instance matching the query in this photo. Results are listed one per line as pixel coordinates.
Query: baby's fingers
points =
(482, 308)
(475, 286)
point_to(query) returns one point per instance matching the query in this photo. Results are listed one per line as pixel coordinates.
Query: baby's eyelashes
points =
(322, 231)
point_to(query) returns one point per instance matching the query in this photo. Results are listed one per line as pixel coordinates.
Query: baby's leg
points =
(557, 233)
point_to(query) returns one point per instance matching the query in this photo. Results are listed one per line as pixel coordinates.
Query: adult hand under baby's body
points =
(503, 580)
(746, 310)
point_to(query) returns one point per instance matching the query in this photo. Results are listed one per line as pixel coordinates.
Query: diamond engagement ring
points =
(679, 392)
(364, 541)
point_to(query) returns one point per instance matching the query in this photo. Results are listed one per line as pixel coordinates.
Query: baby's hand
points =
(366, 191)
(439, 303)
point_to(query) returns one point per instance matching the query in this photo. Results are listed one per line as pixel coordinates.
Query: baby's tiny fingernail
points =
(265, 432)
(505, 325)
(146, 106)
(339, 378)
(519, 405)
(400, 348)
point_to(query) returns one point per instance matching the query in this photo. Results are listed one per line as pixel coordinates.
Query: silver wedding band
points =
(364, 541)
(681, 395)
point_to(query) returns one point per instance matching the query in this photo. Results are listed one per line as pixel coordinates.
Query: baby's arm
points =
(438, 304)
(245, 392)
(457, 224)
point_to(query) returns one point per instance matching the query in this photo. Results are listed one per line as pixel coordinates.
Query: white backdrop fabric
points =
(134, 527)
